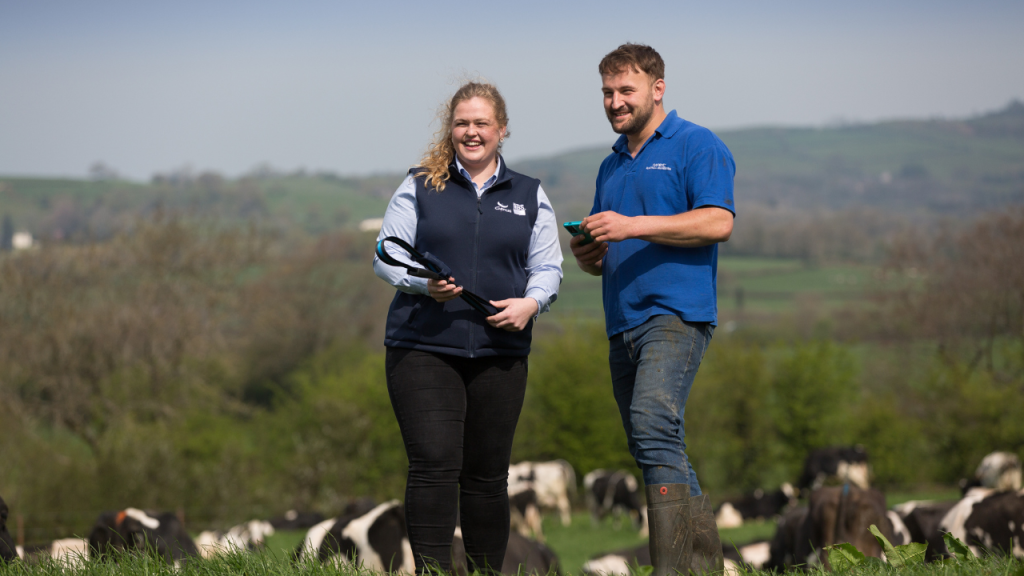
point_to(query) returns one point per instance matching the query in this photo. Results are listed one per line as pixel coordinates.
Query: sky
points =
(353, 87)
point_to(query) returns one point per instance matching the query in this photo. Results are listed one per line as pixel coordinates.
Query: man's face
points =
(629, 100)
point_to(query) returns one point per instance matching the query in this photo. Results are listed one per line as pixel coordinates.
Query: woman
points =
(455, 376)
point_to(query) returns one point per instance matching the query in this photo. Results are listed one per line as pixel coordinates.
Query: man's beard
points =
(637, 123)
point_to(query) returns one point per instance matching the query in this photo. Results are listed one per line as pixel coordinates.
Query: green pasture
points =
(273, 564)
(584, 538)
(574, 544)
(746, 285)
(323, 204)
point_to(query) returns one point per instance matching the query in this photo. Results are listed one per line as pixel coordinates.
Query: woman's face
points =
(475, 132)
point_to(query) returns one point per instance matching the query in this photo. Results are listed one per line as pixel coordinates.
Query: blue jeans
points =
(653, 367)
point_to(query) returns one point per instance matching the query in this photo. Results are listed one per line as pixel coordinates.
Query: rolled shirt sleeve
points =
(544, 262)
(400, 221)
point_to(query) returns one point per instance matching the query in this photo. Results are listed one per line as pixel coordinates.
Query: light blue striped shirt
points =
(543, 263)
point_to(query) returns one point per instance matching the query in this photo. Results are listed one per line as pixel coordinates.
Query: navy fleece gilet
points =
(486, 242)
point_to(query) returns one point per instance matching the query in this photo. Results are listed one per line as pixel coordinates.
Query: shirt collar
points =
(490, 181)
(667, 129)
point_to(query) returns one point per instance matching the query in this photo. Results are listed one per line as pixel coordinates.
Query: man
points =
(664, 200)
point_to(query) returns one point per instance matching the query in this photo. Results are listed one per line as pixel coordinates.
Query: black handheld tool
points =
(433, 269)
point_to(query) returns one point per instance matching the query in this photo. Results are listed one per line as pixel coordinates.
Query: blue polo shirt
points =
(682, 167)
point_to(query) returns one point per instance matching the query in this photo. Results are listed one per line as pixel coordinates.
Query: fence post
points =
(21, 531)
(180, 511)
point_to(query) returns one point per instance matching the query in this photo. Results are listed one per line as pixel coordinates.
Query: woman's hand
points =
(516, 314)
(442, 290)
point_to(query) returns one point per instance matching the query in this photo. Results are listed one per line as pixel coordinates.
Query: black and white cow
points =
(249, 536)
(522, 556)
(835, 465)
(68, 552)
(376, 540)
(8, 550)
(553, 482)
(615, 492)
(745, 558)
(756, 506)
(738, 559)
(997, 524)
(987, 520)
(295, 520)
(998, 470)
(921, 521)
(132, 529)
(524, 513)
(618, 562)
(783, 545)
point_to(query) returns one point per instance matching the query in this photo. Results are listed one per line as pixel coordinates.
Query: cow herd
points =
(365, 534)
(839, 507)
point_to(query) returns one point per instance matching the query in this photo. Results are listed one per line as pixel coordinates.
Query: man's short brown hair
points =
(635, 57)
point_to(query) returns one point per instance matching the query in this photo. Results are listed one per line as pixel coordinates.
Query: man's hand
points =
(589, 256)
(442, 290)
(701, 226)
(516, 314)
(609, 227)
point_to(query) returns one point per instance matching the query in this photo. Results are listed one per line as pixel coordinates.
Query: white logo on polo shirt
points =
(518, 209)
(659, 166)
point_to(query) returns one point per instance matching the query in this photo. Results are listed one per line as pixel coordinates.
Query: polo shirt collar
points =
(667, 129)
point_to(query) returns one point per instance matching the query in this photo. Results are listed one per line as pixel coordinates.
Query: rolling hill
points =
(911, 168)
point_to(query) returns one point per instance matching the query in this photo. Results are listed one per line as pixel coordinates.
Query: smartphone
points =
(574, 229)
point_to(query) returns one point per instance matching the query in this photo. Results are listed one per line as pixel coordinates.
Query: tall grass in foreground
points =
(269, 563)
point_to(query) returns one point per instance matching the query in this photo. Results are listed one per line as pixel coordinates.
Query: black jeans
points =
(458, 417)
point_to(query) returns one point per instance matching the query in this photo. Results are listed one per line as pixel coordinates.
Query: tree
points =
(7, 234)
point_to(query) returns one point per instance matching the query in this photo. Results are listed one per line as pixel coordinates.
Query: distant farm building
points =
(371, 225)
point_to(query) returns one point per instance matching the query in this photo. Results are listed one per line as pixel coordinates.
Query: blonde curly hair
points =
(441, 152)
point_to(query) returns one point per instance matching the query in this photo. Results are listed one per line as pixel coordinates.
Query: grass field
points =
(753, 286)
(574, 545)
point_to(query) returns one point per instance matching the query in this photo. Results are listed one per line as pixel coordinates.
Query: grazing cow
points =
(921, 520)
(900, 532)
(999, 471)
(834, 514)
(756, 506)
(376, 540)
(843, 514)
(615, 493)
(618, 562)
(955, 519)
(745, 558)
(294, 520)
(835, 465)
(738, 559)
(249, 536)
(524, 513)
(8, 551)
(522, 556)
(996, 525)
(552, 481)
(135, 530)
(986, 520)
(783, 546)
(69, 552)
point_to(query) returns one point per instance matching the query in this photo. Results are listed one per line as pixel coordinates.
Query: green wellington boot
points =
(707, 547)
(668, 517)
